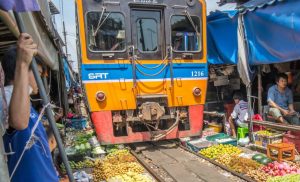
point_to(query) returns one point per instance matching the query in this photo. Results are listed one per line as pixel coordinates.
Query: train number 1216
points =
(197, 73)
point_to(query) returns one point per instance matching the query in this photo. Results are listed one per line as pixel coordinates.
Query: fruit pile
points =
(116, 164)
(280, 169)
(287, 178)
(224, 159)
(79, 165)
(258, 175)
(220, 150)
(264, 133)
(243, 165)
(119, 156)
(130, 177)
(106, 170)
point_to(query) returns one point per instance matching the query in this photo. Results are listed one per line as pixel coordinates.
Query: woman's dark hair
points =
(9, 64)
(238, 95)
(281, 75)
(9, 61)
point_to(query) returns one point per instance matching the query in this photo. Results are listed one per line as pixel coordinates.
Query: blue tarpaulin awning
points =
(68, 75)
(272, 32)
(222, 37)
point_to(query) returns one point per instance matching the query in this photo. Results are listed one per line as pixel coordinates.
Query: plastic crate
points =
(217, 136)
(197, 145)
(263, 141)
(220, 136)
(79, 123)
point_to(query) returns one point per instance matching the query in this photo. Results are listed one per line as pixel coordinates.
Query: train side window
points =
(106, 32)
(183, 35)
(147, 35)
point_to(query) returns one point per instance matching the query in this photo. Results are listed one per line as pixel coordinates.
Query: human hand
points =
(65, 179)
(26, 49)
(292, 112)
(285, 112)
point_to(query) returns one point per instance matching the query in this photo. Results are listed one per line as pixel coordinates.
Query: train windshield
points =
(184, 33)
(106, 31)
(147, 34)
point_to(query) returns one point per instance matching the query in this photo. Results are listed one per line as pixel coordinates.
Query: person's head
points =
(281, 80)
(9, 61)
(237, 96)
(51, 139)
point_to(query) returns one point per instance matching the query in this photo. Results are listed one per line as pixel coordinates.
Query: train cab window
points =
(184, 36)
(147, 35)
(106, 32)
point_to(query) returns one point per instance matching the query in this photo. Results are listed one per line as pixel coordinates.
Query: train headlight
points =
(100, 96)
(197, 91)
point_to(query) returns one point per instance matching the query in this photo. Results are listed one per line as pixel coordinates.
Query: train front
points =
(143, 67)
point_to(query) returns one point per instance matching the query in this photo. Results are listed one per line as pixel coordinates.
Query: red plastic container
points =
(288, 138)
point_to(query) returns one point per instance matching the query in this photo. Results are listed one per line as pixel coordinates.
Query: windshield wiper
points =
(99, 22)
(191, 21)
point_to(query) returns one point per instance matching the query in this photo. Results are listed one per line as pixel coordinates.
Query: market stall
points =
(92, 162)
(248, 164)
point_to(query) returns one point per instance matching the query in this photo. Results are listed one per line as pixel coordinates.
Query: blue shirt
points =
(281, 99)
(36, 164)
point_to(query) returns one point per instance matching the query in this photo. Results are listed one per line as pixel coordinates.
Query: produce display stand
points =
(92, 162)
(263, 141)
(220, 165)
(262, 164)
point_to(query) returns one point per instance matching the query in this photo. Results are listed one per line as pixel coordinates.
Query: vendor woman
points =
(239, 116)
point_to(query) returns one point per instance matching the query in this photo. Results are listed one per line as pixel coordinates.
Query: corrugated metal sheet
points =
(39, 25)
(254, 4)
(7, 33)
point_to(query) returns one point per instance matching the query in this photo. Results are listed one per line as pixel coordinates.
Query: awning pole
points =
(45, 100)
(249, 98)
(259, 85)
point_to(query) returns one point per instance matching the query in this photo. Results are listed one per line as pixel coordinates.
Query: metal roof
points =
(7, 39)
(53, 9)
(254, 4)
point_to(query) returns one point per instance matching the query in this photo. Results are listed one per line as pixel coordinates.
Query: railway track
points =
(167, 161)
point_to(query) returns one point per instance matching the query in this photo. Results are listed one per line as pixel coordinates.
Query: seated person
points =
(280, 100)
(239, 116)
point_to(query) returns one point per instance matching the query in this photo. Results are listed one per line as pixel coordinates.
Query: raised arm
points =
(19, 109)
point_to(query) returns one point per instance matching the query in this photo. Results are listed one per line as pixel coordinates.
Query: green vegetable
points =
(88, 146)
(77, 147)
(258, 157)
(82, 148)
(265, 161)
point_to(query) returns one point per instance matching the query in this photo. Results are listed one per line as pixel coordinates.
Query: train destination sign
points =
(146, 1)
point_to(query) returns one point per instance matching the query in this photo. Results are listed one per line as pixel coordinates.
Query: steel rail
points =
(147, 167)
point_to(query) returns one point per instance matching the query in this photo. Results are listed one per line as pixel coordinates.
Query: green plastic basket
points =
(213, 138)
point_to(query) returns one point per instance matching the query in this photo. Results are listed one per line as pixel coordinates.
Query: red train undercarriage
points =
(105, 129)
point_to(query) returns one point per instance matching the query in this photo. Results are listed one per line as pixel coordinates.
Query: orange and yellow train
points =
(143, 67)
